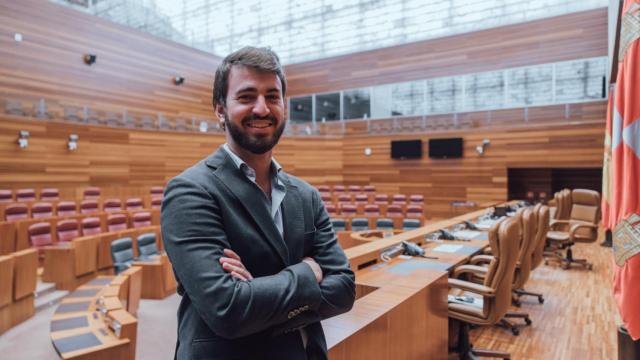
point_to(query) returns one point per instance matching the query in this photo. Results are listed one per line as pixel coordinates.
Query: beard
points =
(254, 144)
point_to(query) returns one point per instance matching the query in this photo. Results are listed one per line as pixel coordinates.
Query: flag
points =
(621, 185)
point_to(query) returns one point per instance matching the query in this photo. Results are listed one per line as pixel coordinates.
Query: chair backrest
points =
(504, 239)
(141, 219)
(399, 199)
(6, 196)
(89, 206)
(369, 189)
(40, 234)
(339, 224)
(67, 230)
(25, 195)
(116, 222)
(156, 190)
(41, 210)
(66, 208)
(325, 197)
(16, 211)
(122, 250)
(529, 224)
(541, 235)
(91, 226)
(585, 208)
(338, 188)
(566, 201)
(344, 198)
(359, 224)
(409, 224)
(384, 224)
(354, 188)
(372, 210)
(156, 202)
(111, 205)
(394, 211)
(381, 199)
(323, 188)
(414, 211)
(348, 209)
(134, 204)
(91, 193)
(147, 245)
(416, 199)
(331, 209)
(361, 199)
(49, 194)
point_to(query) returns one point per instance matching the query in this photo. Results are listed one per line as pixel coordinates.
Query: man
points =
(253, 250)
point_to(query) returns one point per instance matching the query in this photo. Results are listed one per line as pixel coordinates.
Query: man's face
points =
(254, 111)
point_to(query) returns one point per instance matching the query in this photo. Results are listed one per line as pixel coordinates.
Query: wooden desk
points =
(158, 280)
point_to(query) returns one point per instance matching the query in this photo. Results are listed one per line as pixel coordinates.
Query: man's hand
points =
(317, 271)
(232, 263)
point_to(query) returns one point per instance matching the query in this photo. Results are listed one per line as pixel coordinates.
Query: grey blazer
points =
(212, 206)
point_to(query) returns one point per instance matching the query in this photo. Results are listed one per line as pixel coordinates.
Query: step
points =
(43, 288)
(49, 299)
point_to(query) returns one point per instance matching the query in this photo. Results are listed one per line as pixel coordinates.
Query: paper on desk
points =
(447, 248)
(466, 234)
(483, 226)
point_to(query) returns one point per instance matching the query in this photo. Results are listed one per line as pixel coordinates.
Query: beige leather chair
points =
(539, 243)
(492, 298)
(581, 226)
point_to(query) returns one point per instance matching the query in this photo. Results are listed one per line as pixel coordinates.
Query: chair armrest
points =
(575, 227)
(481, 259)
(554, 224)
(479, 271)
(471, 287)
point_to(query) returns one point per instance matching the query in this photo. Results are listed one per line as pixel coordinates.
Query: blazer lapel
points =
(250, 196)
(293, 219)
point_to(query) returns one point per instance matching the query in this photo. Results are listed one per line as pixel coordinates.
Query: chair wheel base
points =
(541, 299)
(528, 321)
(515, 332)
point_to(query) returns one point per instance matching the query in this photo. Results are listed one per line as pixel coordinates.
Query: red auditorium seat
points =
(6, 196)
(89, 206)
(324, 188)
(416, 199)
(49, 194)
(111, 205)
(156, 202)
(40, 236)
(67, 230)
(338, 188)
(362, 199)
(326, 197)
(414, 211)
(66, 208)
(354, 188)
(91, 193)
(348, 209)
(399, 199)
(394, 210)
(381, 199)
(134, 204)
(156, 190)
(331, 210)
(344, 198)
(41, 210)
(372, 210)
(369, 189)
(25, 195)
(116, 222)
(141, 219)
(91, 226)
(16, 212)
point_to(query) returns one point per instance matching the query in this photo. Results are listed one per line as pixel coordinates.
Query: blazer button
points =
(291, 314)
(305, 308)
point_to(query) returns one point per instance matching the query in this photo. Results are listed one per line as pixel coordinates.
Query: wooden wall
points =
(133, 71)
(567, 37)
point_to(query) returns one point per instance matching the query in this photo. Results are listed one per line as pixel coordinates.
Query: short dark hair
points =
(260, 59)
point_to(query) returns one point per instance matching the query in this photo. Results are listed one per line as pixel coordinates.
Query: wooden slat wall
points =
(133, 71)
(567, 37)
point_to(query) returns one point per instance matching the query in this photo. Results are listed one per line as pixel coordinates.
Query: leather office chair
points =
(116, 222)
(40, 236)
(91, 226)
(156, 202)
(89, 206)
(394, 211)
(134, 204)
(399, 199)
(538, 252)
(122, 254)
(16, 211)
(384, 224)
(410, 224)
(66, 208)
(338, 224)
(381, 199)
(112, 205)
(359, 224)
(91, 193)
(25, 195)
(372, 210)
(415, 211)
(141, 219)
(492, 298)
(6, 196)
(49, 194)
(67, 230)
(41, 210)
(348, 210)
(582, 226)
(147, 246)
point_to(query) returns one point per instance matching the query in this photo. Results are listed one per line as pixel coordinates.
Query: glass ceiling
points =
(300, 30)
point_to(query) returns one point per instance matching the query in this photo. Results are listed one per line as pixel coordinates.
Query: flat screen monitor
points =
(406, 149)
(445, 148)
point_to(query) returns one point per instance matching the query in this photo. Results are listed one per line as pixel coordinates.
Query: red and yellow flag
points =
(621, 170)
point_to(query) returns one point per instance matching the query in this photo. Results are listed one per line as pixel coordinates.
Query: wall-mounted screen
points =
(406, 149)
(445, 148)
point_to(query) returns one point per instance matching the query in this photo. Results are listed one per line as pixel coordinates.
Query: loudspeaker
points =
(89, 59)
(178, 80)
